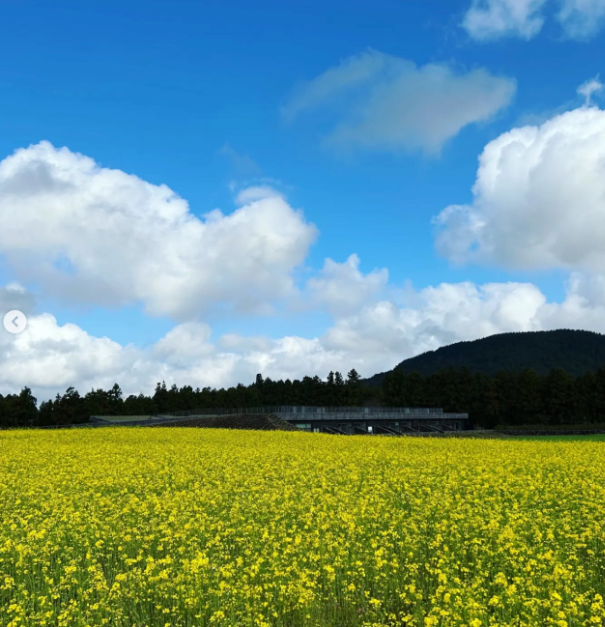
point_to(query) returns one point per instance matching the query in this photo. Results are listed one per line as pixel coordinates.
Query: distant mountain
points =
(574, 351)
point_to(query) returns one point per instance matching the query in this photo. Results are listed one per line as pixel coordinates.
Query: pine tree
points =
(354, 388)
(353, 377)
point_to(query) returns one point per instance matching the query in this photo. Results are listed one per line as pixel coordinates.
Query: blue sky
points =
(196, 97)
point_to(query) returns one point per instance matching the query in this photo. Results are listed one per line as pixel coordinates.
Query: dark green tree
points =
(353, 388)
(558, 396)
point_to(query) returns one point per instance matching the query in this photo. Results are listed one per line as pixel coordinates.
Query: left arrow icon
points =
(15, 321)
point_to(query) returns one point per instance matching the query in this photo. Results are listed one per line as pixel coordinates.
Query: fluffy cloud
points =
(92, 235)
(539, 199)
(380, 101)
(493, 19)
(434, 317)
(342, 288)
(185, 343)
(52, 357)
(49, 357)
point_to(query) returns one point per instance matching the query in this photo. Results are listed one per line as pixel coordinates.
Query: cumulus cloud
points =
(493, 19)
(583, 307)
(384, 102)
(87, 234)
(436, 316)
(46, 356)
(539, 199)
(185, 343)
(49, 357)
(538, 202)
(342, 288)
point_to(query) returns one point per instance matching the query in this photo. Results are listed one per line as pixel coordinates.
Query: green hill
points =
(574, 351)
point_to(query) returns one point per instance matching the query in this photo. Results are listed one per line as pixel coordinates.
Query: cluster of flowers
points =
(134, 527)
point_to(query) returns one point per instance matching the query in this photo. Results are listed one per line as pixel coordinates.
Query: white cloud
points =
(436, 316)
(384, 102)
(256, 193)
(184, 344)
(583, 307)
(581, 19)
(493, 19)
(92, 235)
(590, 87)
(539, 202)
(539, 199)
(49, 358)
(342, 288)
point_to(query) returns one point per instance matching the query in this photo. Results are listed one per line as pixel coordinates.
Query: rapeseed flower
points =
(176, 527)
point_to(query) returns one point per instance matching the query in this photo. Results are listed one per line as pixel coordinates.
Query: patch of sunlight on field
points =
(182, 527)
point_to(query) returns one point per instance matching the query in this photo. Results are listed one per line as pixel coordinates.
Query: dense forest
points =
(574, 351)
(508, 398)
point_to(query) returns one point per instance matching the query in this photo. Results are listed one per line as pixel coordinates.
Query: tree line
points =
(509, 398)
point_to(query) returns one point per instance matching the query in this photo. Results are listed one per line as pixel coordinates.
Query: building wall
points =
(379, 426)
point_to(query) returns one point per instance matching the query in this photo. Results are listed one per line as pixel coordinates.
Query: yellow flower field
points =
(184, 527)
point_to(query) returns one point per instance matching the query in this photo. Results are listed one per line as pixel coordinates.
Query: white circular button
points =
(15, 321)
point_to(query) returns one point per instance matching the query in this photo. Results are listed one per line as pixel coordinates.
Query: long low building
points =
(337, 420)
(372, 420)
